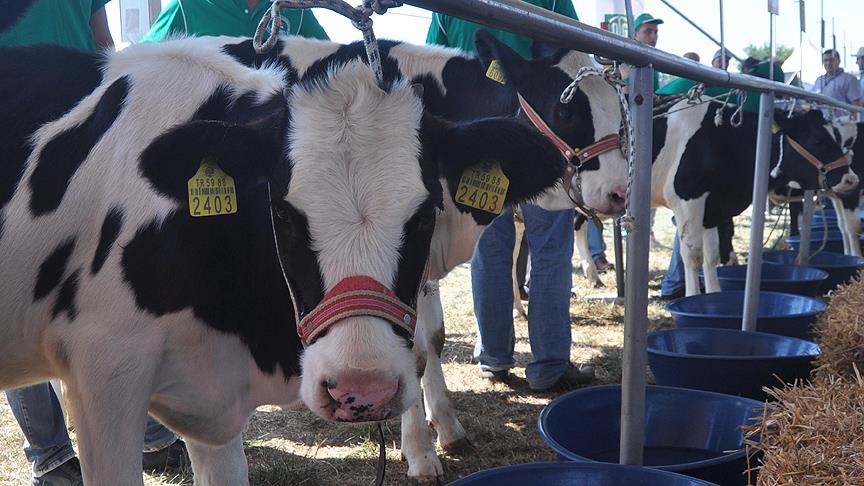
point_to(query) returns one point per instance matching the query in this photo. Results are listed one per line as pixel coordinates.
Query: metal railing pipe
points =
(533, 21)
(805, 229)
(636, 278)
(757, 223)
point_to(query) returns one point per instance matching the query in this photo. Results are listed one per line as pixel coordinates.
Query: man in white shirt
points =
(837, 83)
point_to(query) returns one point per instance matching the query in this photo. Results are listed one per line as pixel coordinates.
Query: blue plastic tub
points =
(791, 279)
(573, 473)
(833, 242)
(779, 313)
(690, 432)
(841, 268)
(727, 361)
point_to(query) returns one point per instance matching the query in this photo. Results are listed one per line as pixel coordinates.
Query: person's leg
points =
(157, 436)
(673, 281)
(550, 238)
(596, 245)
(492, 289)
(38, 412)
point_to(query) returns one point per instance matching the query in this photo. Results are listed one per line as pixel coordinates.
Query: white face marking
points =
(356, 175)
(598, 185)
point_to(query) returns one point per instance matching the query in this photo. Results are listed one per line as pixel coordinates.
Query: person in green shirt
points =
(238, 18)
(80, 24)
(453, 32)
(550, 239)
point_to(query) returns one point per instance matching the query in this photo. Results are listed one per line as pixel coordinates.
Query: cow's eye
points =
(281, 212)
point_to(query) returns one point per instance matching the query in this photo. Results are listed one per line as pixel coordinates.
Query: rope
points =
(612, 75)
(361, 18)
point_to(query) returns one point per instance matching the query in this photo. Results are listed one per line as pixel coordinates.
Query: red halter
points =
(358, 295)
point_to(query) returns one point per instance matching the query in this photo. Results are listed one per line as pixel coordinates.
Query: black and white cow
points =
(704, 173)
(112, 280)
(845, 205)
(456, 87)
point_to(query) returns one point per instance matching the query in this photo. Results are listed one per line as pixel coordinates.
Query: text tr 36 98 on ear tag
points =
(211, 192)
(483, 186)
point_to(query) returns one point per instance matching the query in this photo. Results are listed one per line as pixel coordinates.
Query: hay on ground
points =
(814, 435)
(842, 333)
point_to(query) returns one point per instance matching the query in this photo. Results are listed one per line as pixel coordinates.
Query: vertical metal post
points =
(636, 294)
(155, 7)
(757, 227)
(628, 8)
(805, 228)
(617, 241)
(722, 37)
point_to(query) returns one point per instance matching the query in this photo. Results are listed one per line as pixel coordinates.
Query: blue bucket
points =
(833, 242)
(572, 473)
(690, 432)
(841, 268)
(777, 278)
(726, 361)
(778, 313)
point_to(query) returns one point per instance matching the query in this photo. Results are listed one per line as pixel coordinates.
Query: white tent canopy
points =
(805, 61)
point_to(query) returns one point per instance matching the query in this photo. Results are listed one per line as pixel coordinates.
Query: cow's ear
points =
(466, 152)
(514, 68)
(243, 153)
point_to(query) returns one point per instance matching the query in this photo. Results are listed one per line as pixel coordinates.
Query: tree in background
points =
(762, 52)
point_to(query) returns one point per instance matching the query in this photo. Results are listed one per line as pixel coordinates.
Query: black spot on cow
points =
(52, 269)
(244, 53)
(224, 268)
(456, 147)
(61, 156)
(29, 73)
(350, 52)
(107, 236)
(66, 297)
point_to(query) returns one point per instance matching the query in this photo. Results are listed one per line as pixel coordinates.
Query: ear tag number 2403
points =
(211, 192)
(484, 187)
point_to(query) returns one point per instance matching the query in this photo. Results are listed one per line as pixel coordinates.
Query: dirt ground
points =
(298, 448)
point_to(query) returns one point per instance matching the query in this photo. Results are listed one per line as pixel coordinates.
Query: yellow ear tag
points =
(484, 187)
(775, 128)
(495, 73)
(211, 192)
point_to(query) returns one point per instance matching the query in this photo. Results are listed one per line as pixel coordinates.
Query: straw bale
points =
(813, 435)
(842, 333)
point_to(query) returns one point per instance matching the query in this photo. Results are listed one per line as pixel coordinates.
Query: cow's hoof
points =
(461, 447)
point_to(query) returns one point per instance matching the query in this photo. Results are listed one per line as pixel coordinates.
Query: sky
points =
(746, 22)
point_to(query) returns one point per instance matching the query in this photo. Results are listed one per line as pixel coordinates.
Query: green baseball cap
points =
(645, 18)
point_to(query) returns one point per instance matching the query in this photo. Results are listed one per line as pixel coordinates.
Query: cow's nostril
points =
(329, 383)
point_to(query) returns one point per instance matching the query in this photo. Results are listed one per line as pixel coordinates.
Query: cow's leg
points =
(588, 266)
(108, 394)
(711, 259)
(418, 447)
(218, 465)
(689, 222)
(439, 408)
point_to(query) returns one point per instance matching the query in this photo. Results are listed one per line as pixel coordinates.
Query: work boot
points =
(66, 474)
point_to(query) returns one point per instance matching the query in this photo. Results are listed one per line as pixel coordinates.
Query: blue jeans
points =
(596, 245)
(673, 281)
(550, 240)
(46, 441)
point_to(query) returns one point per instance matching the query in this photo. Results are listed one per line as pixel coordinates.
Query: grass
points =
(295, 447)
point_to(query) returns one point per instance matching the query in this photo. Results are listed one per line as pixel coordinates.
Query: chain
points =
(361, 18)
(612, 75)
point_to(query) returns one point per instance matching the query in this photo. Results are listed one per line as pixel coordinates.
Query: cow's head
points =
(367, 175)
(592, 114)
(810, 156)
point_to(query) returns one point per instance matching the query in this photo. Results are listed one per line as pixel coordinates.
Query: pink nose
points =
(617, 198)
(359, 401)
